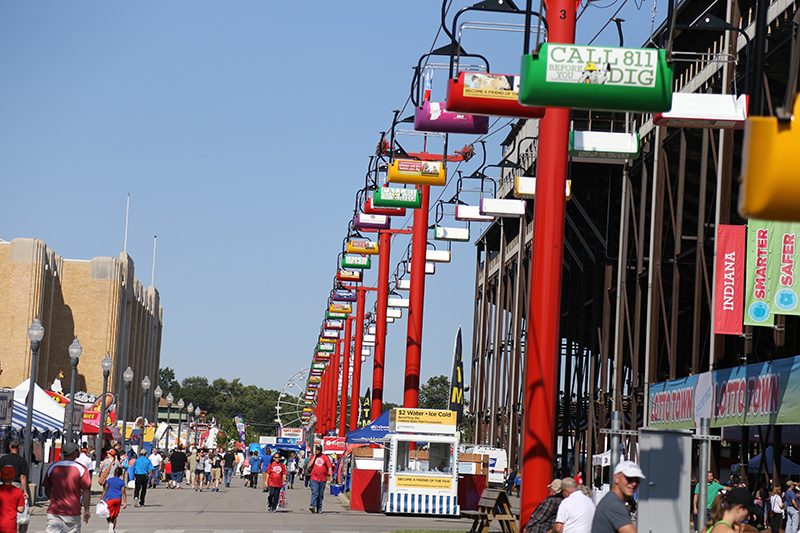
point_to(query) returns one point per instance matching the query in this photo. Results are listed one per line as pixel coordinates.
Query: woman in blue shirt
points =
(114, 495)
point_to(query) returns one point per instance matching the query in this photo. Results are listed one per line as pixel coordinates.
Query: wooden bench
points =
(493, 505)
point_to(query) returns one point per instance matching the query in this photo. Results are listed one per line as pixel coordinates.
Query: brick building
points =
(98, 301)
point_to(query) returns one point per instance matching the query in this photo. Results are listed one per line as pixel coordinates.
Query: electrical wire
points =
(610, 20)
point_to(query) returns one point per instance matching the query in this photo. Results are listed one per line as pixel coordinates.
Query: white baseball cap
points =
(629, 469)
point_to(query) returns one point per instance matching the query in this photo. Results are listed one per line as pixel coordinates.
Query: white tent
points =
(42, 401)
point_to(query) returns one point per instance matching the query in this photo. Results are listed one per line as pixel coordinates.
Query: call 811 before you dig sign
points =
(625, 67)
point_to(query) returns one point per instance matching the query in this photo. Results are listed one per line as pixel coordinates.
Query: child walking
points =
(114, 495)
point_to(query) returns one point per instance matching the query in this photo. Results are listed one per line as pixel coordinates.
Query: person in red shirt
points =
(12, 501)
(65, 482)
(276, 476)
(321, 470)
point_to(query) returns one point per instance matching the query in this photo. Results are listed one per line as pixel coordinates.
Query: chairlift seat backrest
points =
(495, 95)
(355, 261)
(597, 78)
(525, 187)
(471, 213)
(770, 180)
(703, 110)
(433, 117)
(430, 268)
(501, 207)
(603, 146)
(441, 233)
(397, 197)
(417, 172)
(363, 247)
(376, 222)
(437, 256)
(371, 209)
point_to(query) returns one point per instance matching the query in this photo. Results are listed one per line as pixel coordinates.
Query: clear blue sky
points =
(242, 131)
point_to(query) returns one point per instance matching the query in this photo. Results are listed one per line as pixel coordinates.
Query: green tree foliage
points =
(435, 393)
(224, 400)
(168, 383)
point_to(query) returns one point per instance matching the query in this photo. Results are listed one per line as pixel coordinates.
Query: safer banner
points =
(729, 267)
(782, 283)
(749, 395)
(757, 309)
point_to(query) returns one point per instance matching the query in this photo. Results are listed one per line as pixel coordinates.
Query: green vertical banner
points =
(757, 302)
(782, 282)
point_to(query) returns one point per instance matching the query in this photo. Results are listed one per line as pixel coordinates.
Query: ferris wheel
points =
(290, 400)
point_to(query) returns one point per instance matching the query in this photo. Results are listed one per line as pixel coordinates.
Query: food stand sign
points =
(435, 421)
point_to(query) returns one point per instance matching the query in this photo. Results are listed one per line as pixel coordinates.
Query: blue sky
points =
(242, 131)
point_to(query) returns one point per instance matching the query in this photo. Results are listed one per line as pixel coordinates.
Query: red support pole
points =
(417, 300)
(355, 403)
(345, 376)
(542, 346)
(380, 324)
(333, 369)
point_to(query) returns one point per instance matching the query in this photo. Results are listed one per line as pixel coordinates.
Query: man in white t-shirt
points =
(576, 511)
(155, 473)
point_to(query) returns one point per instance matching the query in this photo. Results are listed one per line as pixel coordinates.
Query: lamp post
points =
(145, 388)
(106, 365)
(35, 334)
(189, 411)
(180, 405)
(157, 393)
(75, 350)
(127, 377)
(170, 397)
(197, 426)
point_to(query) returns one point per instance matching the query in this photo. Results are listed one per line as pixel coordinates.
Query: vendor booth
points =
(420, 472)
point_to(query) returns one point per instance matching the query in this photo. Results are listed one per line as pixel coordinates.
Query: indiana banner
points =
(366, 410)
(456, 401)
(757, 308)
(729, 267)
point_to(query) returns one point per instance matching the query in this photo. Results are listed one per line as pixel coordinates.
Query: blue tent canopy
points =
(40, 422)
(375, 432)
(788, 468)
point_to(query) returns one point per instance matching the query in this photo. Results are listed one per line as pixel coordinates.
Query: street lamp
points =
(157, 393)
(35, 334)
(169, 398)
(145, 387)
(127, 377)
(180, 405)
(106, 365)
(75, 350)
(197, 426)
(189, 412)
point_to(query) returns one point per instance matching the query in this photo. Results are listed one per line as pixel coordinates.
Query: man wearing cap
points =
(19, 463)
(575, 512)
(544, 516)
(612, 514)
(276, 477)
(65, 483)
(12, 501)
(791, 507)
(141, 473)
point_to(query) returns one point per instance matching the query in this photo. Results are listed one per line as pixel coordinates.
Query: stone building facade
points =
(99, 302)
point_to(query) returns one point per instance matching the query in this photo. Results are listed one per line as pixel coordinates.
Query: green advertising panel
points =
(334, 316)
(597, 77)
(397, 197)
(325, 347)
(782, 283)
(355, 261)
(758, 310)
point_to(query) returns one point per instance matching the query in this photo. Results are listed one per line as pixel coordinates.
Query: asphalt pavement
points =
(242, 510)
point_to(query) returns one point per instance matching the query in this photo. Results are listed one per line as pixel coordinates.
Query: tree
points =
(168, 383)
(435, 393)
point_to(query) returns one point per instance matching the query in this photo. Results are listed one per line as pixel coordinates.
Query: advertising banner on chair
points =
(729, 267)
(757, 308)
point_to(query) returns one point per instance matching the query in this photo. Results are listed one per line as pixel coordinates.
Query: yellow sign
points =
(424, 482)
(423, 421)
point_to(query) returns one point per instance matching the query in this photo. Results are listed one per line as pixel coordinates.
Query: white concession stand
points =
(420, 471)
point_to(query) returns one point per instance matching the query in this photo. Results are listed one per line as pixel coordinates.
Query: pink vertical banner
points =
(729, 271)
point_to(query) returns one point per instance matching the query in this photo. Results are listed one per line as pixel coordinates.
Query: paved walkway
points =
(242, 510)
